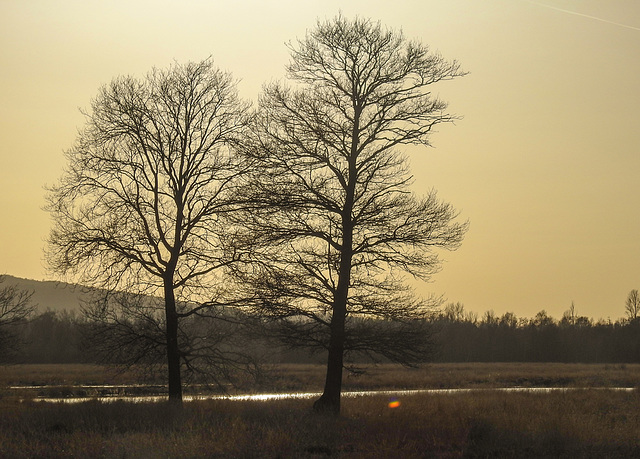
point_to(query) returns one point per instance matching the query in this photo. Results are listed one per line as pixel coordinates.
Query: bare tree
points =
(15, 308)
(454, 312)
(140, 211)
(509, 320)
(632, 305)
(333, 208)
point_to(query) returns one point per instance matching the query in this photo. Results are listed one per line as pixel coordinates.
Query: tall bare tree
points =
(632, 305)
(339, 224)
(15, 308)
(141, 208)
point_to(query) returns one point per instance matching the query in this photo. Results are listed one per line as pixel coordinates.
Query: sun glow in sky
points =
(545, 163)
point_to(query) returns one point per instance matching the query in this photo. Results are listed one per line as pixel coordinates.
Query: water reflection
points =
(308, 395)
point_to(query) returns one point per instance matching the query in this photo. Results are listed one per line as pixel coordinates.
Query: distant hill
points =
(53, 295)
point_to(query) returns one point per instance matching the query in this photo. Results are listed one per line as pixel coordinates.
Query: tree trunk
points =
(329, 402)
(173, 352)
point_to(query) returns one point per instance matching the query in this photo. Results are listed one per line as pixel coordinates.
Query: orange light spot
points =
(394, 404)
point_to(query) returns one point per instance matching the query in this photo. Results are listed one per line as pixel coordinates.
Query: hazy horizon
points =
(544, 162)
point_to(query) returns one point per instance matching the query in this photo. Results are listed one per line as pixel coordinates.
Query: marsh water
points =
(114, 395)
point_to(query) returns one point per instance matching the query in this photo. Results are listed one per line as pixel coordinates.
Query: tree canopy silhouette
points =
(140, 210)
(632, 305)
(333, 212)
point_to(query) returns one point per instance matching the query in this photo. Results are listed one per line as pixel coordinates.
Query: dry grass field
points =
(458, 375)
(576, 423)
(303, 377)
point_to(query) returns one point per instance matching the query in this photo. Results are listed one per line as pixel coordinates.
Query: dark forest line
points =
(60, 337)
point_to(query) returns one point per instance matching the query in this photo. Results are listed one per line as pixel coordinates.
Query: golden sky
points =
(545, 163)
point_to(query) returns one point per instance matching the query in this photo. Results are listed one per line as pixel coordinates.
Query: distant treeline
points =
(51, 337)
(458, 336)
(463, 337)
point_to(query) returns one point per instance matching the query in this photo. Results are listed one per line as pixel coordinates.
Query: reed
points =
(582, 423)
(54, 381)
(589, 423)
(64, 374)
(367, 376)
(456, 375)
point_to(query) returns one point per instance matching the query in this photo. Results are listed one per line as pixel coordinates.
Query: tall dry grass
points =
(68, 380)
(590, 423)
(284, 378)
(64, 374)
(309, 377)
